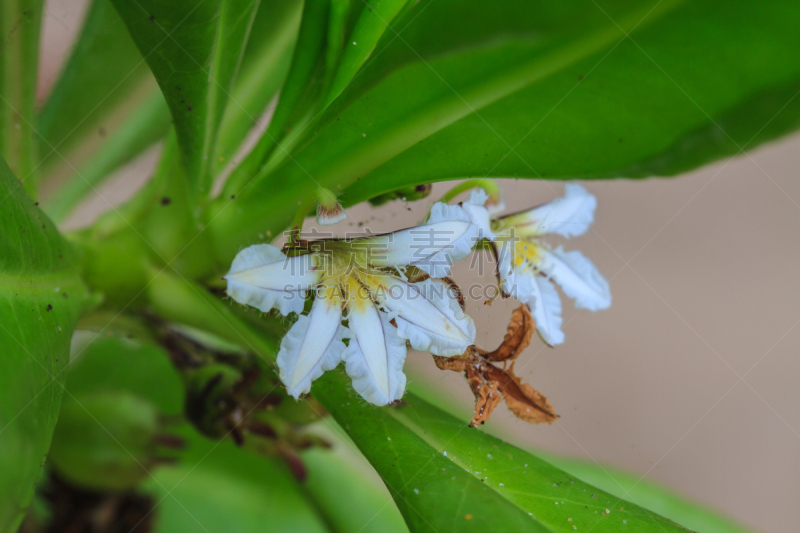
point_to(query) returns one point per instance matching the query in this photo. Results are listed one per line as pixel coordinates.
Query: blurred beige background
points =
(691, 377)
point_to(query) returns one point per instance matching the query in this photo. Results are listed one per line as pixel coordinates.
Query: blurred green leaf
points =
(341, 476)
(119, 364)
(185, 302)
(514, 89)
(481, 482)
(41, 297)
(104, 76)
(148, 123)
(194, 50)
(119, 391)
(105, 441)
(648, 494)
(217, 487)
(20, 26)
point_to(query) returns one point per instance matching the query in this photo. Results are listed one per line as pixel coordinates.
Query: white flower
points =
(528, 266)
(362, 281)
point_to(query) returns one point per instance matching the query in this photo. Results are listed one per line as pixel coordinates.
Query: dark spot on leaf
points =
(233, 196)
(35, 203)
(49, 307)
(152, 18)
(166, 201)
(101, 132)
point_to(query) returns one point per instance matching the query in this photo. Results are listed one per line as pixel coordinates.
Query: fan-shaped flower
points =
(364, 282)
(527, 265)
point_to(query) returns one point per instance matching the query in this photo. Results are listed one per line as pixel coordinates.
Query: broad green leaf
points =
(649, 495)
(194, 50)
(101, 78)
(148, 123)
(514, 89)
(41, 297)
(177, 41)
(445, 476)
(371, 25)
(20, 26)
(298, 94)
(217, 487)
(264, 67)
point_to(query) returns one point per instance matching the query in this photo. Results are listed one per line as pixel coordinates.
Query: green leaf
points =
(194, 49)
(20, 26)
(264, 67)
(514, 89)
(148, 123)
(105, 76)
(371, 25)
(117, 364)
(648, 494)
(177, 41)
(341, 476)
(482, 483)
(298, 94)
(216, 487)
(41, 297)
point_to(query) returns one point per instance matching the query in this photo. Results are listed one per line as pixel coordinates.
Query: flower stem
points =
(486, 184)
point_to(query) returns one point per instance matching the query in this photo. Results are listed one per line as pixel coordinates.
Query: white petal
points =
(516, 281)
(448, 236)
(568, 216)
(262, 276)
(545, 306)
(312, 346)
(496, 208)
(375, 356)
(578, 278)
(478, 214)
(428, 315)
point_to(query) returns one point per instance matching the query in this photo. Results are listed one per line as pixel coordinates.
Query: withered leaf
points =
(487, 398)
(456, 364)
(491, 384)
(520, 331)
(524, 401)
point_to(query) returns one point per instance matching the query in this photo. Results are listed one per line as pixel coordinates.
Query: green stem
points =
(20, 26)
(486, 184)
(179, 300)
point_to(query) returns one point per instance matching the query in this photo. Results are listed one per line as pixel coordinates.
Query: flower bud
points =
(329, 210)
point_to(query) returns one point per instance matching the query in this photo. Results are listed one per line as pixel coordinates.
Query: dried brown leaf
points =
(456, 364)
(487, 397)
(520, 331)
(524, 401)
